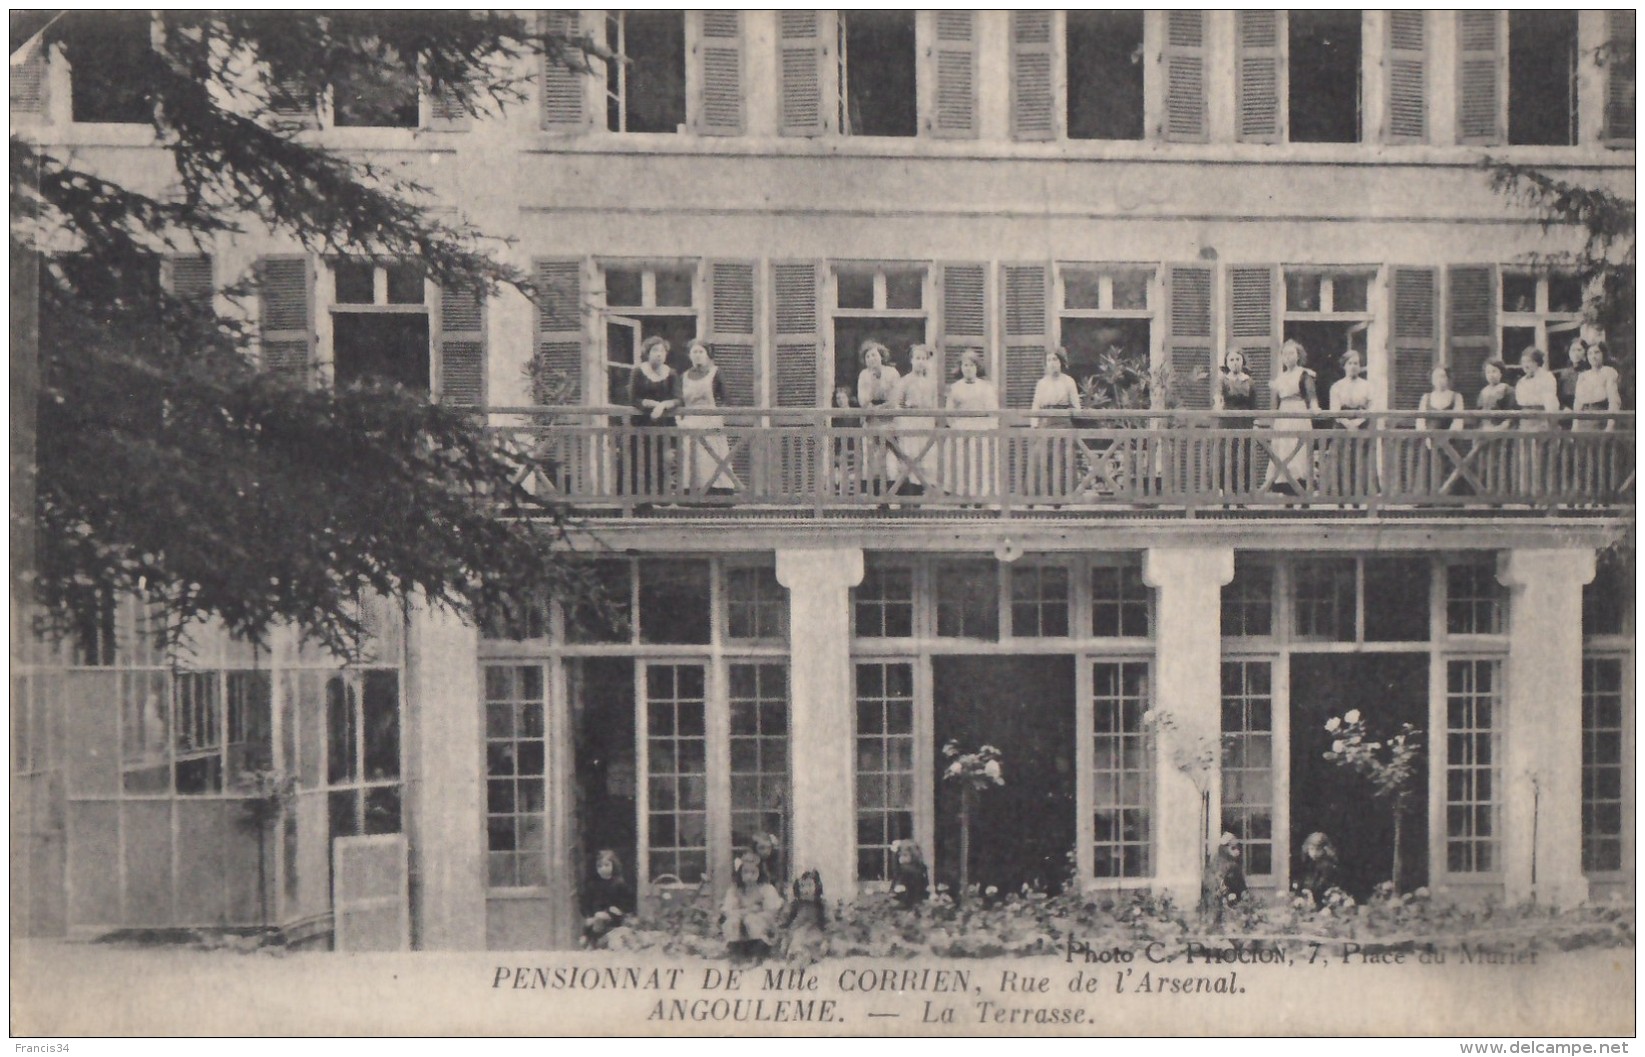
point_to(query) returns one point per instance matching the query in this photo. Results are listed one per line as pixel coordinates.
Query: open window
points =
(1328, 310)
(644, 301)
(1542, 51)
(380, 324)
(1324, 76)
(877, 74)
(380, 93)
(645, 83)
(882, 302)
(106, 54)
(1105, 74)
(1105, 321)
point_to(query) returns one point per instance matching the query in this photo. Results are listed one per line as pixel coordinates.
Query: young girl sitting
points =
(910, 880)
(748, 915)
(806, 919)
(607, 900)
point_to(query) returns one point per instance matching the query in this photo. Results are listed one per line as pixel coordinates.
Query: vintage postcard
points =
(823, 523)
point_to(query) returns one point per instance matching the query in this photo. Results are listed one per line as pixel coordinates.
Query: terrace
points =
(978, 466)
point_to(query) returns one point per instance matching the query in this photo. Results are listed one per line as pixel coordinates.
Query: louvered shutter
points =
(1184, 60)
(731, 328)
(1257, 75)
(286, 321)
(1480, 69)
(1025, 292)
(964, 313)
(446, 112)
(292, 101)
(1188, 330)
(802, 50)
(956, 65)
(563, 109)
(559, 286)
(28, 84)
(795, 289)
(1414, 337)
(1033, 108)
(192, 277)
(720, 58)
(1619, 78)
(1253, 321)
(1407, 77)
(462, 347)
(1470, 323)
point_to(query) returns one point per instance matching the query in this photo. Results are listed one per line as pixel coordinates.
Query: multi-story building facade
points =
(1153, 635)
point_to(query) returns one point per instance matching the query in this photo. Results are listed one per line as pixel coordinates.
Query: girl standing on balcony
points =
(1536, 391)
(1495, 459)
(1239, 393)
(971, 459)
(1352, 392)
(1056, 391)
(1597, 389)
(701, 391)
(1426, 471)
(1292, 451)
(916, 433)
(654, 392)
(876, 389)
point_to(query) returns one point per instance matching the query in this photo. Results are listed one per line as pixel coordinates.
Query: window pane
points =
(1350, 293)
(340, 730)
(654, 42)
(1119, 602)
(676, 757)
(756, 604)
(622, 287)
(354, 281)
(1605, 599)
(1602, 769)
(884, 771)
(967, 600)
(1122, 773)
(1081, 288)
(674, 287)
(601, 614)
(1324, 600)
(1131, 290)
(1302, 291)
(1324, 76)
(1396, 599)
(884, 602)
(1471, 736)
(879, 97)
(380, 699)
(760, 792)
(1564, 293)
(1105, 75)
(1542, 49)
(856, 289)
(381, 348)
(377, 90)
(1473, 599)
(1247, 767)
(1518, 295)
(674, 601)
(250, 725)
(405, 284)
(1248, 600)
(904, 290)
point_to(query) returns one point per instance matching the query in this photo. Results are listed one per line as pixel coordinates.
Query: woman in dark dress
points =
(654, 393)
(1239, 393)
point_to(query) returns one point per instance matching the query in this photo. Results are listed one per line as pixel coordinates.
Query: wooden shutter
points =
(1257, 75)
(964, 312)
(286, 320)
(1033, 106)
(1618, 130)
(1253, 321)
(720, 72)
(1184, 60)
(446, 112)
(191, 277)
(1026, 296)
(563, 106)
(731, 328)
(1407, 77)
(795, 287)
(559, 288)
(1188, 330)
(1470, 323)
(1414, 338)
(28, 83)
(462, 347)
(956, 67)
(802, 51)
(1480, 67)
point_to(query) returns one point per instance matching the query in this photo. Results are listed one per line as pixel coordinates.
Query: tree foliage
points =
(167, 463)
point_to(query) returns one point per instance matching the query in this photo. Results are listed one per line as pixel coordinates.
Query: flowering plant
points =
(975, 772)
(1389, 765)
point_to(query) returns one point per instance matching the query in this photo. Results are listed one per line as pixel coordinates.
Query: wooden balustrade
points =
(824, 462)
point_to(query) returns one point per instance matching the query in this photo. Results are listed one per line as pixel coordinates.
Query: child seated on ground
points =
(910, 880)
(748, 915)
(607, 899)
(806, 920)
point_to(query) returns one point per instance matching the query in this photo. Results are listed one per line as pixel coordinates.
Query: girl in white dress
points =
(971, 459)
(1293, 391)
(876, 389)
(918, 392)
(1350, 467)
(701, 392)
(1055, 391)
(1597, 389)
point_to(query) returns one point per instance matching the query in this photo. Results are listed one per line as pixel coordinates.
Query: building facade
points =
(1148, 626)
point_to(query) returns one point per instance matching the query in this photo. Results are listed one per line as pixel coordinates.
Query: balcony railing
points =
(1009, 464)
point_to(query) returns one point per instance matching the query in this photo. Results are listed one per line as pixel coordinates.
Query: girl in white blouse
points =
(1057, 392)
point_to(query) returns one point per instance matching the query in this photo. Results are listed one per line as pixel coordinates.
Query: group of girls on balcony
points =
(663, 397)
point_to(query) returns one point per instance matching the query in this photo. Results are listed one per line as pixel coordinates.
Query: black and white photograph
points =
(873, 523)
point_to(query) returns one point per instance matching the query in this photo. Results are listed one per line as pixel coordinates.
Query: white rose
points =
(1337, 746)
(1333, 724)
(992, 768)
(1352, 715)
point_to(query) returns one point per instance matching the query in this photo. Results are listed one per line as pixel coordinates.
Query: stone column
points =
(1188, 687)
(443, 783)
(1542, 726)
(820, 689)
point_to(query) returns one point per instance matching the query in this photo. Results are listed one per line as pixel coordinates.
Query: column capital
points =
(1521, 568)
(1206, 565)
(820, 567)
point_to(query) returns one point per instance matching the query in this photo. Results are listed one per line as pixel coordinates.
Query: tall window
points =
(1542, 55)
(1105, 74)
(885, 764)
(380, 324)
(879, 302)
(1248, 761)
(363, 752)
(195, 733)
(380, 91)
(107, 57)
(1472, 752)
(877, 81)
(645, 83)
(516, 786)
(1324, 76)
(759, 758)
(1122, 770)
(1602, 764)
(1106, 313)
(676, 742)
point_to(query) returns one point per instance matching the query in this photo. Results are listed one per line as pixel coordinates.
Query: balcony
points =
(792, 463)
